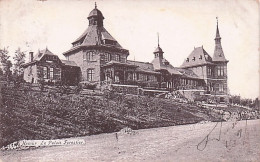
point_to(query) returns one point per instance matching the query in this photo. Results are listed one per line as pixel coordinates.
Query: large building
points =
(101, 60)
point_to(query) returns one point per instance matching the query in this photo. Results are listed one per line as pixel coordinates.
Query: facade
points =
(47, 66)
(97, 58)
(212, 70)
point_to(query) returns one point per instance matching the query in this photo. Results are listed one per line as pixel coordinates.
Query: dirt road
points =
(227, 141)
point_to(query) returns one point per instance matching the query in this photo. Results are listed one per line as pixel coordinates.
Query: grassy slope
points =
(35, 115)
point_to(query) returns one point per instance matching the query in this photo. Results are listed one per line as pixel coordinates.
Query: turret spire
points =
(218, 52)
(217, 32)
(158, 51)
(95, 5)
(158, 39)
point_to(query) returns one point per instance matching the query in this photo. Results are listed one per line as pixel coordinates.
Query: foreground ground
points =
(234, 141)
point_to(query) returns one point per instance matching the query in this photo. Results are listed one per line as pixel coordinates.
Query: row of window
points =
(193, 59)
(188, 82)
(90, 56)
(132, 76)
(107, 57)
(218, 87)
(51, 58)
(209, 71)
(220, 71)
(48, 73)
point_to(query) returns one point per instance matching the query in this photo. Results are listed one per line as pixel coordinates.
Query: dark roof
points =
(218, 55)
(37, 57)
(69, 63)
(95, 12)
(158, 50)
(143, 66)
(163, 64)
(41, 53)
(94, 35)
(187, 73)
(197, 57)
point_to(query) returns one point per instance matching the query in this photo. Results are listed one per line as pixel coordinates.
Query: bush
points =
(88, 85)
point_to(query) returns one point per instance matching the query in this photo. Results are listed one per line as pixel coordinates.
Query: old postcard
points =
(135, 80)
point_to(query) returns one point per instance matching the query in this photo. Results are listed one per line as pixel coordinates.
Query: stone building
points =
(97, 58)
(212, 70)
(47, 66)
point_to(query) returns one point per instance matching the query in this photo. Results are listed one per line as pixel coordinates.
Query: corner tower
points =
(220, 72)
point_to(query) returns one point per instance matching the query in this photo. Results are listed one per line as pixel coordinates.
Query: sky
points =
(181, 24)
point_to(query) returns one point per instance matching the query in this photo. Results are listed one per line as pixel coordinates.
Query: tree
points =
(19, 59)
(5, 63)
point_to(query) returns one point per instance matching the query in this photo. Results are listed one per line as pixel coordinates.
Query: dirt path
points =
(232, 142)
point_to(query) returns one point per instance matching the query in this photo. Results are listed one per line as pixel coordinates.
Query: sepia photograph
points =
(133, 80)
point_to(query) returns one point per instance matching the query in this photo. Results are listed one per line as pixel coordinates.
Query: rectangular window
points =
(51, 73)
(90, 56)
(107, 57)
(134, 76)
(221, 87)
(90, 74)
(117, 57)
(221, 70)
(209, 71)
(45, 72)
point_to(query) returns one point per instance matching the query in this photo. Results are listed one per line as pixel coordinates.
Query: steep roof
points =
(95, 12)
(197, 57)
(94, 35)
(218, 55)
(187, 73)
(41, 53)
(37, 57)
(158, 50)
(163, 64)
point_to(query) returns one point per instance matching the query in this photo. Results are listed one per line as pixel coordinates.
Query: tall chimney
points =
(31, 56)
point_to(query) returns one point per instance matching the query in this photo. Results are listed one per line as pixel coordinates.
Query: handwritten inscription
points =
(228, 136)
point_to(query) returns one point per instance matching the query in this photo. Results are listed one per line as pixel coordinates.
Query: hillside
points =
(31, 114)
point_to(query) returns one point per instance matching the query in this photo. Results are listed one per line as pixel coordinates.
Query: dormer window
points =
(206, 56)
(166, 63)
(200, 57)
(187, 60)
(193, 59)
(220, 55)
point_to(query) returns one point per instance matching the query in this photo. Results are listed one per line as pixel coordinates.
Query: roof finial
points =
(95, 5)
(217, 20)
(158, 39)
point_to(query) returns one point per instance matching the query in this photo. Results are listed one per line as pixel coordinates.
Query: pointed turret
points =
(218, 55)
(158, 51)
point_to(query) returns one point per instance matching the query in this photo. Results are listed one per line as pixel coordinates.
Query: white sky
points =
(182, 24)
